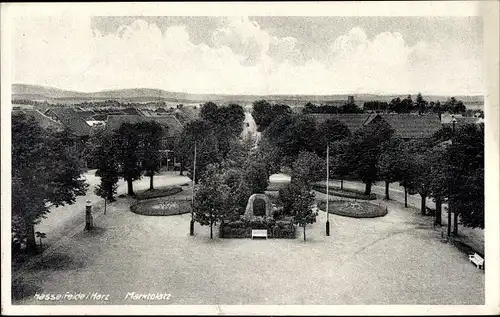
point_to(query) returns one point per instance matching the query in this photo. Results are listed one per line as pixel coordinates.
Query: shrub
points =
(243, 228)
(161, 207)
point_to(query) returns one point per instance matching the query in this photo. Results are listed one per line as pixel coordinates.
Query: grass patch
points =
(161, 207)
(346, 193)
(158, 192)
(354, 209)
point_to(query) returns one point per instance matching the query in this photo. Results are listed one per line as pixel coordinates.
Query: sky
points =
(252, 55)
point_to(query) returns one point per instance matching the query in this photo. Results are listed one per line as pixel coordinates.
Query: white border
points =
(488, 9)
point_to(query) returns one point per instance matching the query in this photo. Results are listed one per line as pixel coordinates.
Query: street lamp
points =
(453, 122)
(88, 215)
(191, 226)
(327, 187)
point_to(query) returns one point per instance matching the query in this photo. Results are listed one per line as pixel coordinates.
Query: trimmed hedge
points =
(350, 209)
(280, 229)
(158, 192)
(346, 193)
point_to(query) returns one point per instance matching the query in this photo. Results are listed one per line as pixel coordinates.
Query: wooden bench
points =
(259, 233)
(477, 260)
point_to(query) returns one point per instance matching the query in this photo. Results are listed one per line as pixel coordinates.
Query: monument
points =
(249, 211)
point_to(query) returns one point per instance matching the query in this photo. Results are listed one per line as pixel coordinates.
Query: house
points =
(71, 120)
(353, 122)
(43, 120)
(406, 126)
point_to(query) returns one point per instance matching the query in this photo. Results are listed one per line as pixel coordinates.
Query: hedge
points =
(346, 209)
(335, 191)
(243, 228)
(158, 192)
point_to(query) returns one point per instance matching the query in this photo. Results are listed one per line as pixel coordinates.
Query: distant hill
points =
(50, 94)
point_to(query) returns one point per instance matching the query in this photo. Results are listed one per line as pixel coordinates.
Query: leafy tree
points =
(256, 177)
(264, 113)
(438, 179)
(340, 166)
(292, 134)
(363, 152)
(466, 175)
(127, 139)
(209, 111)
(310, 108)
(239, 192)
(421, 183)
(269, 155)
(308, 168)
(211, 198)
(202, 133)
(297, 201)
(330, 131)
(45, 171)
(151, 136)
(421, 104)
(390, 167)
(106, 162)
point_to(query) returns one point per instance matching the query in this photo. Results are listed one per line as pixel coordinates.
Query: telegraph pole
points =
(191, 228)
(327, 187)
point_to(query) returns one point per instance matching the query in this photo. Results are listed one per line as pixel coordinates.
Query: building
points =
(406, 126)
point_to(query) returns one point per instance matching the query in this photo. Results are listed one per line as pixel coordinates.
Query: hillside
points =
(50, 94)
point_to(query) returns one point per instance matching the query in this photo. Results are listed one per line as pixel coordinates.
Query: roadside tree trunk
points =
(211, 229)
(387, 190)
(449, 218)
(422, 206)
(181, 169)
(151, 182)
(304, 232)
(130, 188)
(30, 240)
(406, 197)
(342, 184)
(368, 188)
(455, 223)
(438, 211)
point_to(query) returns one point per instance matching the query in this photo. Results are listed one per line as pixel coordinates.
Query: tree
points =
(106, 162)
(127, 139)
(269, 155)
(264, 113)
(256, 177)
(438, 179)
(421, 104)
(211, 198)
(45, 172)
(151, 136)
(330, 131)
(297, 201)
(308, 168)
(466, 176)
(209, 111)
(390, 167)
(202, 133)
(421, 183)
(292, 134)
(363, 152)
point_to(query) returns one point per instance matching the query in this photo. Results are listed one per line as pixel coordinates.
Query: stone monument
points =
(249, 209)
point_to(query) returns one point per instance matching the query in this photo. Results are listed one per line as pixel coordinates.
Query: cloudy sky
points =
(252, 55)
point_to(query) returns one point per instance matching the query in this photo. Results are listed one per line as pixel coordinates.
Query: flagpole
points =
(327, 187)
(191, 228)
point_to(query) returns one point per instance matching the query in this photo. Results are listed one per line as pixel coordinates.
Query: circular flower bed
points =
(354, 209)
(161, 207)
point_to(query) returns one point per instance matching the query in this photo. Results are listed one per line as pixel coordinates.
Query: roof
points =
(70, 119)
(460, 121)
(352, 121)
(85, 114)
(174, 126)
(43, 120)
(412, 126)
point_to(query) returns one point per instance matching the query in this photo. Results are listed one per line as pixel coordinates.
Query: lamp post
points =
(453, 122)
(191, 225)
(88, 215)
(327, 187)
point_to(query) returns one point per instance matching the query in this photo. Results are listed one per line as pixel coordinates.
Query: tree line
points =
(448, 167)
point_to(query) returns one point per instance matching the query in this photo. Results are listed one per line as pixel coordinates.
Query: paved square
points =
(396, 259)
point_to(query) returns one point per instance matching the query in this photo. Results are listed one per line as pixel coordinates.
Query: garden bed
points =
(354, 209)
(161, 207)
(346, 193)
(158, 192)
